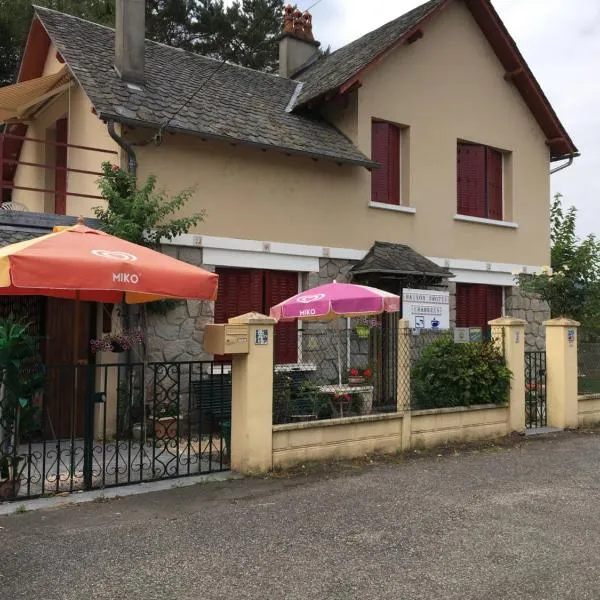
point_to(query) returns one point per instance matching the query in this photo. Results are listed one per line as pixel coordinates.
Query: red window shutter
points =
(280, 285)
(494, 184)
(477, 305)
(471, 180)
(240, 291)
(385, 149)
(494, 303)
(60, 161)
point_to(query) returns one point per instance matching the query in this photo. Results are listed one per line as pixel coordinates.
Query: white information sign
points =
(426, 309)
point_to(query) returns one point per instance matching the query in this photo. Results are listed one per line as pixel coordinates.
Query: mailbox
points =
(227, 339)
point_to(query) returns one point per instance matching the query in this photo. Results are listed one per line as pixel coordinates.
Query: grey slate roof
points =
(330, 72)
(397, 259)
(237, 104)
(17, 226)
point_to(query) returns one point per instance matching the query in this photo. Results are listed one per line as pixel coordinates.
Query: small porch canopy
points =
(18, 101)
(392, 267)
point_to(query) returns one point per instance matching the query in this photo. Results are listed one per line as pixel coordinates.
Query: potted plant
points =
(119, 341)
(305, 403)
(164, 420)
(359, 376)
(11, 469)
(364, 325)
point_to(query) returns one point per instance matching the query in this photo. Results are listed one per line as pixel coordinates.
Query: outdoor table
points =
(366, 391)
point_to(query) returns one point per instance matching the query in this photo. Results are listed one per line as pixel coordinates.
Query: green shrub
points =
(449, 374)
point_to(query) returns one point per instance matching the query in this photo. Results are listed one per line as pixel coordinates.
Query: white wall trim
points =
(232, 252)
(255, 260)
(393, 207)
(482, 221)
(265, 247)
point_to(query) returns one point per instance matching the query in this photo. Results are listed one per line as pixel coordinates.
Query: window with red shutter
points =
(280, 285)
(254, 290)
(385, 149)
(477, 305)
(479, 181)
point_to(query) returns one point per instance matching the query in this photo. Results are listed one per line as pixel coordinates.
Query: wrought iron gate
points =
(535, 389)
(96, 426)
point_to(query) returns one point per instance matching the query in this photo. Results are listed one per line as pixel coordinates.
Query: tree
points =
(15, 21)
(243, 33)
(141, 214)
(571, 285)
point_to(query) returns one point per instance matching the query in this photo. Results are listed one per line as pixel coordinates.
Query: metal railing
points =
(54, 178)
(96, 426)
(535, 389)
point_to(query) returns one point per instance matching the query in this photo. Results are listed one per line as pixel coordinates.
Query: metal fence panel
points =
(96, 426)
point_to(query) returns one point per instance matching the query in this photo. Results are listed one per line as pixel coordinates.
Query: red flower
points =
(115, 169)
(368, 373)
(347, 397)
(353, 372)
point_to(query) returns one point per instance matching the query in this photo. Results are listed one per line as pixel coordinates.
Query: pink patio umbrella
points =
(334, 301)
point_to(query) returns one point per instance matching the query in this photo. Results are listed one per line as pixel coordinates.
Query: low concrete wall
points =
(336, 438)
(357, 436)
(442, 425)
(589, 410)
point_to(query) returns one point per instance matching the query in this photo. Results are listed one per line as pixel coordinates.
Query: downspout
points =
(565, 166)
(131, 158)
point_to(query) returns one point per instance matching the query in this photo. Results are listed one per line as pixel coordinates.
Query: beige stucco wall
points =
(447, 86)
(358, 436)
(337, 438)
(85, 129)
(440, 426)
(589, 410)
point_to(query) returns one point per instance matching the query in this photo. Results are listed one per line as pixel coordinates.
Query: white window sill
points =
(483, 221)
(394, 207)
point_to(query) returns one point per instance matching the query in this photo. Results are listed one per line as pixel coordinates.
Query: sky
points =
(560, 41)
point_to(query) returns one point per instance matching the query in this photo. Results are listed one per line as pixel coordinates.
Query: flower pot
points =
(164, 427)
(356, 380)
(9, 489)
(362, 331)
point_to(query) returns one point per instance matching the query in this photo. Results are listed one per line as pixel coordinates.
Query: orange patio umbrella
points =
(81, 263)
(84, 264)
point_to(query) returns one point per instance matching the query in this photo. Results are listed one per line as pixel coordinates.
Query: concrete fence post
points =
(561, 373)
(252, 398)
(509, 335)
(403, 380)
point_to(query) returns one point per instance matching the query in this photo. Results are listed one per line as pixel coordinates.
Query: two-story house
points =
(419, 152)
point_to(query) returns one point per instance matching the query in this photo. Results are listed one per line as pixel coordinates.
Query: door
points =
(64, 396)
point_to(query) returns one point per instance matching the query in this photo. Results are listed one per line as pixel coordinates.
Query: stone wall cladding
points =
(179, 335)
(533, 310)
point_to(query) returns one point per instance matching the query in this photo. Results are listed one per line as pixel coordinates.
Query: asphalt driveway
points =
(497, 523)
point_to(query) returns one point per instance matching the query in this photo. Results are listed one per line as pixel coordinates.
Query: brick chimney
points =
(130, 35)
(297, 46)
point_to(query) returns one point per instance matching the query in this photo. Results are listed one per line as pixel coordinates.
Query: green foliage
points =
(572, 285)
(141, 215)
(211, 27)
(15, 21)
(20, 379)
(242, 32)
(449, 374)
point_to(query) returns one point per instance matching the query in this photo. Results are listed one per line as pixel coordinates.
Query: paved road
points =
(519, 523)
